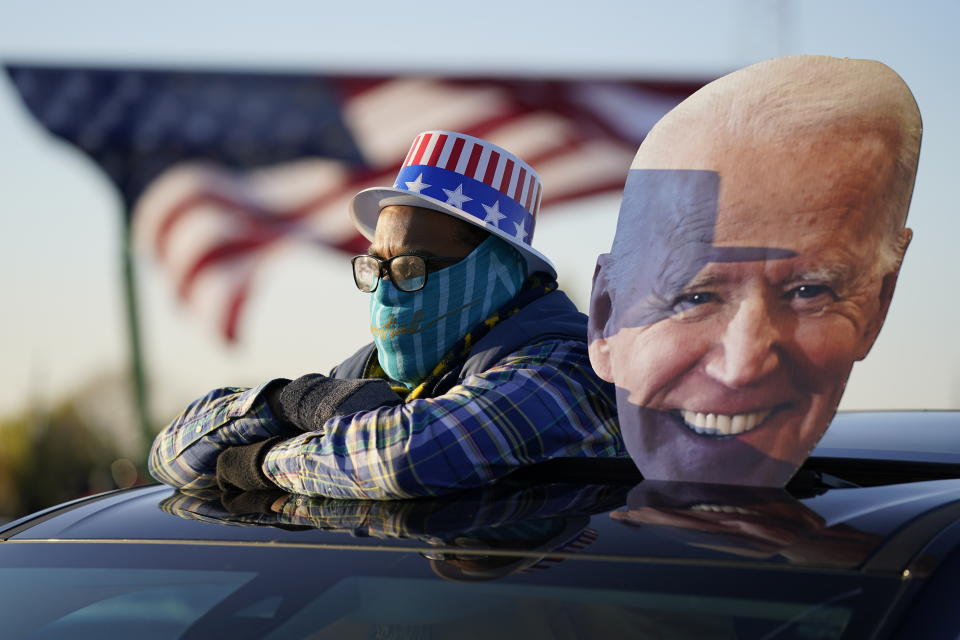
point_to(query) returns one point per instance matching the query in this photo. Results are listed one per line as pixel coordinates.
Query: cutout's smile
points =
(718, 424)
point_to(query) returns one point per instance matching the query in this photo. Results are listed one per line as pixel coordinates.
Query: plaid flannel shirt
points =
(543, 401)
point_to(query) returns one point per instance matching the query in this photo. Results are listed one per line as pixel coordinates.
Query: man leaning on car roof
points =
(478, 365)
(756, 255)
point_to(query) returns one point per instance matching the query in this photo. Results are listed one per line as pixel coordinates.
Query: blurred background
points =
(252, 280)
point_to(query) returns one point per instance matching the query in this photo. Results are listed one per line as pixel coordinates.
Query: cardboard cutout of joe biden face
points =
(757, 249)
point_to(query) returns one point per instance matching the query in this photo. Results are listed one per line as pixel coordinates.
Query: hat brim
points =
(366, 205)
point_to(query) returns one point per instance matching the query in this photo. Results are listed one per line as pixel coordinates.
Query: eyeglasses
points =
(407, 272)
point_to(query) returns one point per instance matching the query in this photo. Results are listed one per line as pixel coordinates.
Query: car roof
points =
(894, 524)
(909, 436)
(897, 517)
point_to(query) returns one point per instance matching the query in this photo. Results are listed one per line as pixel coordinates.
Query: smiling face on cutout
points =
(740, 292)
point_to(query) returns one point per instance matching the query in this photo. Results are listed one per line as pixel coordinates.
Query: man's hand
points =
(309, 401)
(240, 468)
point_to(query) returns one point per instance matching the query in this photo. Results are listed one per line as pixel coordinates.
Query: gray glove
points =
(309, 401)
(241, 468)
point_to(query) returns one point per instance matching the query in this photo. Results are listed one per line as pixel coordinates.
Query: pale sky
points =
(62, 322)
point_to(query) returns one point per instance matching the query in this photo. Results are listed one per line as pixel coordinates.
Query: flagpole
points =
(141, 401)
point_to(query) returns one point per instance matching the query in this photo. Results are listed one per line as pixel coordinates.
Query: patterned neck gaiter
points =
(413, 331)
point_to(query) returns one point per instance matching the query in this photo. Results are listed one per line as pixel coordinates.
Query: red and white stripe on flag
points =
(211, 227)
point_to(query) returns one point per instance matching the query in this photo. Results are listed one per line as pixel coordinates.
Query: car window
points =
(63, 590)
(96, 603)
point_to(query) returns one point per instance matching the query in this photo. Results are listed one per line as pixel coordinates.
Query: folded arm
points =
(185, 453)
(541, 402)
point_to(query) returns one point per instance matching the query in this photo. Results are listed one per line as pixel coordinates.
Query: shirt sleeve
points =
(541, 402)
(185, 453)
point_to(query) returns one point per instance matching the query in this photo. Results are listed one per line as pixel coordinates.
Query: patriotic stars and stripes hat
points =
(470, 179)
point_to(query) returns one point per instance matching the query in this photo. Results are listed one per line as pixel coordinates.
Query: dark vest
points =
(550, 317)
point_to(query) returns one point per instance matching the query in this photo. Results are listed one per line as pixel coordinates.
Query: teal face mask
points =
(413, 331)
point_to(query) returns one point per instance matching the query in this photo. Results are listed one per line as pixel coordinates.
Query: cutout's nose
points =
(748, 349)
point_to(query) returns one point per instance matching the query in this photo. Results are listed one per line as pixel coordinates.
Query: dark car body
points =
(864, 543)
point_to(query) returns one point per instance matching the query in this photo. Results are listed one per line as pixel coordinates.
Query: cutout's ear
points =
(601, 308)
(887, 287)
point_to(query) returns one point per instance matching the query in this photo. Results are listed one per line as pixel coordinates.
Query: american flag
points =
(220, 170)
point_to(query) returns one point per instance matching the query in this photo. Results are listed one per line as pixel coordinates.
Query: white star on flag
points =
(521, 234)
(493, 213)
(456, 197)
(417, 185)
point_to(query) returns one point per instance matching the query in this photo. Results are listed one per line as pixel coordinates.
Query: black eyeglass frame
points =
(385, 265)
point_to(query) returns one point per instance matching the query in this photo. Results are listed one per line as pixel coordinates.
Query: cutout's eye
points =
(807, 291)
(691, 306)
(690, 300)
(810, 297)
